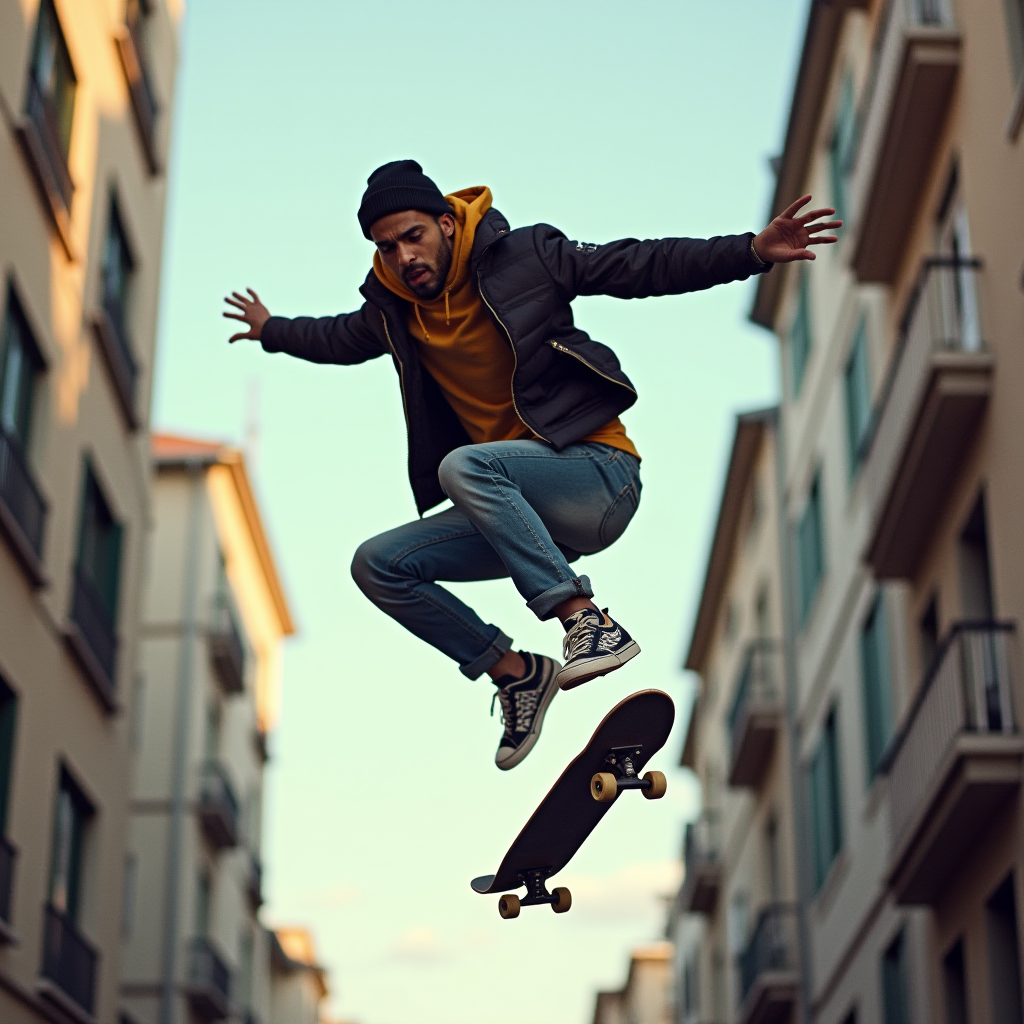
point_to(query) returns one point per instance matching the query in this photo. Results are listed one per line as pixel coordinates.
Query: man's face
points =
(417, 247)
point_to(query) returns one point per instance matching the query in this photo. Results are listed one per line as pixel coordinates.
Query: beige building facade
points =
(647, 996)
(85, 96)
(214, 620)
(899, 455)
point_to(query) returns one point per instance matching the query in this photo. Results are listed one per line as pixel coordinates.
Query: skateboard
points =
(628, 737)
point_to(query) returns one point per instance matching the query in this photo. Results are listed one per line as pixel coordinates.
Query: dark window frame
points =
(83, 814)
(876, 684)
(857, 394)
(826, 800)
(896, 1008)
(800, 337)
(810, 549)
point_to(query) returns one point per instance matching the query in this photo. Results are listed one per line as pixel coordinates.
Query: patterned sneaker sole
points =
(584, 671)
(519, 754)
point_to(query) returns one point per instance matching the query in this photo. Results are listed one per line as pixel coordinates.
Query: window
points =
(876, 683)
(71, 819)
(826, 809)
(691, 986)
(841, 151)
(19, 366)
(928, 633)
(99, 549)
(810, 550)
(1015, 36)
(117, 271)
(243, 994)
(954, 978)
(1004, 954)
(857, 384)
(800, 335)
(53, 78)
(8, 717)
(975, 567)
(895, 992)
(135, 57)
(204, 897)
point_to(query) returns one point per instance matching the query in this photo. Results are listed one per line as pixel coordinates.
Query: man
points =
(512, 412)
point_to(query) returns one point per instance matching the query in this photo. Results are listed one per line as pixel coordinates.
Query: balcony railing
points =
(69, 960)
(22, 506)
(8, 856)
(756, 713)
(227, 649)
(209, 981)
(93, 638)
(108, 325)
(43, 139)
(702, 855)
(927, 413)
(133, 57)
(768, 967)
(956, 758)
(218, 806)
(254, 886)
(906, 98)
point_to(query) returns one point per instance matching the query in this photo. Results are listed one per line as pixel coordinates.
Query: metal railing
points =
(227, 647)
(255, 881)
(217, 799)
(942, 315)
(69, 960)
(207, 973)
(772, 947)
(90, 614)
(118, 349)
(19, 493)
(758, 683)
(967, 689)
(8, 855)
(41, 114)
(702, 840)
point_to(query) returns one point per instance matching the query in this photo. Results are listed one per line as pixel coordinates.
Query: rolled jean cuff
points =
(543, 605)
(496, 650)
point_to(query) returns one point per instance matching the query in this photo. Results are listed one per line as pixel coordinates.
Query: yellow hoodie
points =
(461, 347)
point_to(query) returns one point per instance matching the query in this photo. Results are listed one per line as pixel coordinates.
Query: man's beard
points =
(443, 262)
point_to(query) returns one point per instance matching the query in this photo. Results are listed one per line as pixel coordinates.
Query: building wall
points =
(61, 721)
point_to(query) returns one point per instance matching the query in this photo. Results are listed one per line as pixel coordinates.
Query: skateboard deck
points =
(630, 734)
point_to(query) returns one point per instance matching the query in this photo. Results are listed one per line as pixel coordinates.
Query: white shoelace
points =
(577, 640)
(525, 708)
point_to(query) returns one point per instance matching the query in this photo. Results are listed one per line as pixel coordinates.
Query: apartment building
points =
(214, 620)
(646, 998)
(298, 984)
(734, 922)
(898, 444)
(85, 107)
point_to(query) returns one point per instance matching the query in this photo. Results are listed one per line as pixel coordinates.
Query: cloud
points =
(636, 892)
(418, 945)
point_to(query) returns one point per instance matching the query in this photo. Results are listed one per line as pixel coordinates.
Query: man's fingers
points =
(234, 316)
(237, 337)
(241, 299)
(256, 298)
(825, 225)
(791, 210)
(234, 302)
(825, 211)
(824, 239)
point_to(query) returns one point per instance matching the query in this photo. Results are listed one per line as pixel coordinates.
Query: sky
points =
(649, 119)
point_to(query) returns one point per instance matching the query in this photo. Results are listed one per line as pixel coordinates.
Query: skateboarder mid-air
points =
(512, 412)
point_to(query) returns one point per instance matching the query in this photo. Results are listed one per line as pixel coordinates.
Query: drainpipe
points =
(801, 832)
(179, 768)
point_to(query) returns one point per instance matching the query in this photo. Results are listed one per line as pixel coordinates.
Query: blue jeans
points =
(522, 510)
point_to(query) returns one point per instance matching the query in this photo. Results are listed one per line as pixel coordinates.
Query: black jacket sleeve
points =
(347, 338)
(631, 269)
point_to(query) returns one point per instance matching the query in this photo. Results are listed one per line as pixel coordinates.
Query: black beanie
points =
(399, 185)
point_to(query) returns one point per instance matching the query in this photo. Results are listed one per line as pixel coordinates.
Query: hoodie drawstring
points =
(423, 328)
(447, 311)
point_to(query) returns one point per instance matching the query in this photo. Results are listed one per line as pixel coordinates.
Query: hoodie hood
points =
(468, 207)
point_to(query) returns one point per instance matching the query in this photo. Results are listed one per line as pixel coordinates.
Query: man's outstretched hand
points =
(254, 313)
(787, 237)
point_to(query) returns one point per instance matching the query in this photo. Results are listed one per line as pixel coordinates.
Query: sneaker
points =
(594, 645)
(523, 704)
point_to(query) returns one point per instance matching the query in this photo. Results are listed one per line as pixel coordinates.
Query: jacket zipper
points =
(589, 366)
(515, 355)
(401, 384)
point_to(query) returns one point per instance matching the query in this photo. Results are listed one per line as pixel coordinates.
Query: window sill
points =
(99, 682)
(59, 211)
(1015, 121)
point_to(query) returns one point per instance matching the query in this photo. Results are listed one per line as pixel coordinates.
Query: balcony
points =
(927, 414)
(227, 650)
(756, 714)
(133, 58)
(208, 987)
(254, 883)
(702, 855)
(22, 508)
(8, 855)
(907, 97)
(954, 762)
(40, 140)
(90, 634)
(117, 354)
(769, 968)
(68, 975)
(218, 806)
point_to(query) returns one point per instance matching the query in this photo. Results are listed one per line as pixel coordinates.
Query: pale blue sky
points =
(607, 119)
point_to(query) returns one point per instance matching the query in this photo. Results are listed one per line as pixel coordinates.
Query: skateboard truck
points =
(536, 892)
(620, 774)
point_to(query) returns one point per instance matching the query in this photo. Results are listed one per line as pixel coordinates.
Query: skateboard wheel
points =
(658, 785)
(603, 787)
(563, 899)
(508, 906)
